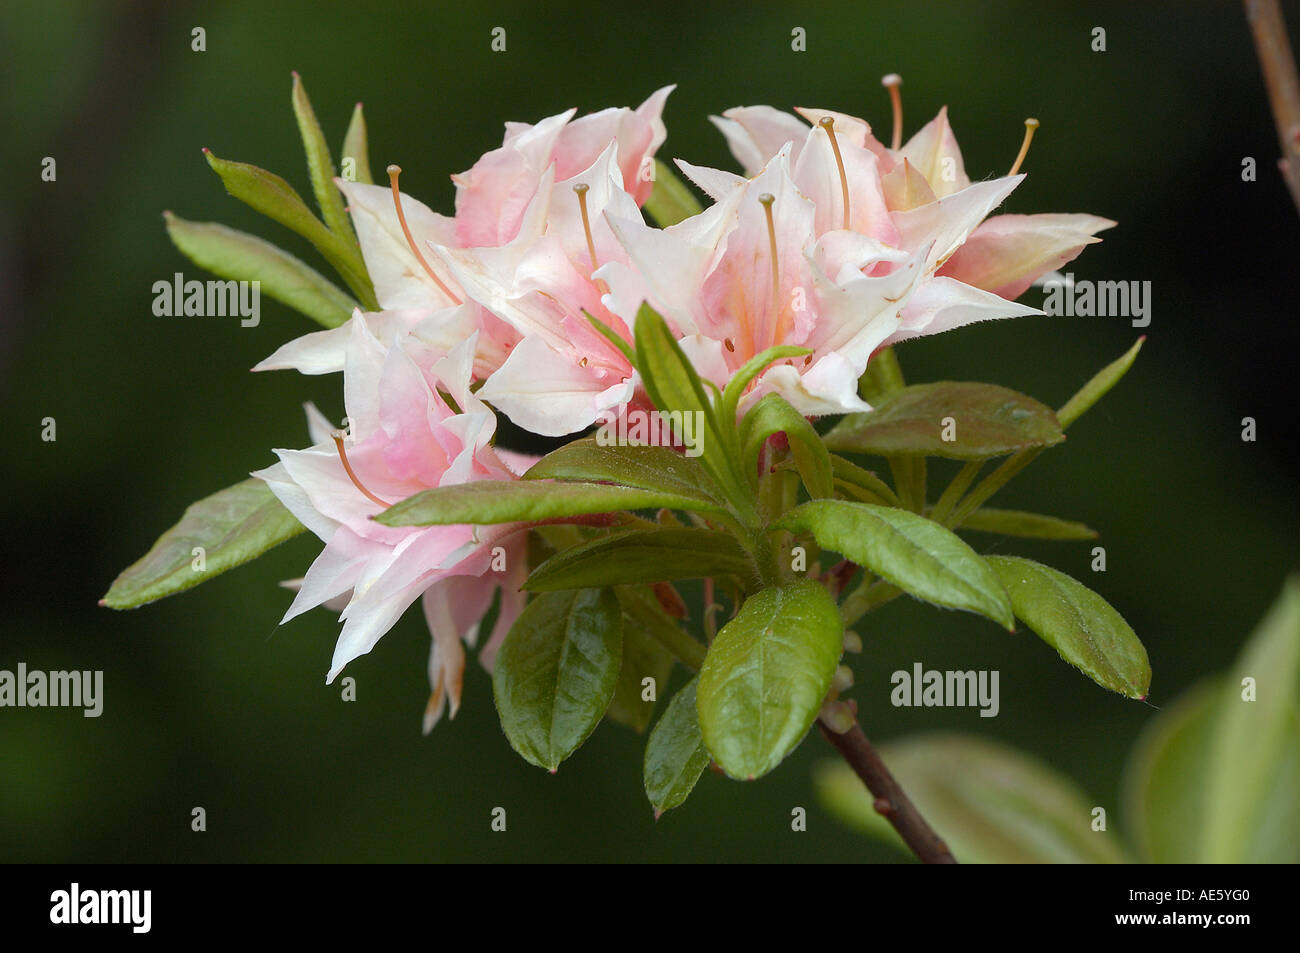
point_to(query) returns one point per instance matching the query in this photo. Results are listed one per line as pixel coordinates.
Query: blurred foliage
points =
(1213, 779)
(208, 703)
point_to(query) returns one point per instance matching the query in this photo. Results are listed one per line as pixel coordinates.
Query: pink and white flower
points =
(404, 436)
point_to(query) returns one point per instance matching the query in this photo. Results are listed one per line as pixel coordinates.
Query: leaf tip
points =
(658, 812)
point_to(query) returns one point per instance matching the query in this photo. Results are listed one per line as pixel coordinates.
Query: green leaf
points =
(910, 551)
(244, 257)
(320, 165)
(864, 485)
(357, 148)
(670, 201)
(748, 371)
(766, 676)
(985, 421)
(520, 501)
(991, 803)
(1164, 790)
(638, 556)
(1026, 525)
(233, 526)
(1215, 777)
(1253, 785)
(649, 468)
(675, 755)
(1078, 623)
(673, 385)
(556, 672)
(275, 198)
(1096, 388)
(643, 657)
(774, 414)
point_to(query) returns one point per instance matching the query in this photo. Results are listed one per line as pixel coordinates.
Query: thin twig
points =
(1278, 65)
(891, 802)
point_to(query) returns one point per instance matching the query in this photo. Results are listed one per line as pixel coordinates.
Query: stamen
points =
(828, 124)
(393, 172)
(892, 82)
(729, 345)
(767, 199)
(1030, 125)
(780, 330)
(582, 188)
(343, 455)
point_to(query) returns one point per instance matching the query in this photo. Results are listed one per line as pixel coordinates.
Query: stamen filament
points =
(892, 82)
(1030, 125)
(581, 189)
(828, 124)
(767, 199)
(343, 455)
(393, 172)
(778, 333)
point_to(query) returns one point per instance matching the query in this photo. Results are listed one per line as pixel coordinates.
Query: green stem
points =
(866, 597)
(639, 602)
(990, 485)
(959, 485)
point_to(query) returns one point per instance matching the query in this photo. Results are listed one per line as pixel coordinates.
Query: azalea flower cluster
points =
(829, 241)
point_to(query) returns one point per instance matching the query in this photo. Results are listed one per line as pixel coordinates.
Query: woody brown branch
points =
(1277, 63)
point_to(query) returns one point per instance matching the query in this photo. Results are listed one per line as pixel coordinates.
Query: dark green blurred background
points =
(208, 704)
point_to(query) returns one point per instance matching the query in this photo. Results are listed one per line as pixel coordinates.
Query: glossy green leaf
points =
(766, 676)
(643, 658)
(356, 147)
(984, 420)
(675, 755)
(649, 468)
(1253, 785)
(517, 501)
(658, 554)
(320, 164)
(915, 554)
(774, 414)
(991, 803)
(1026, 525)
(243, 257)
(233, 526)
(275, 198)
(556, 672)
(1097, 387)
(670, 201)
(1081, 625)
